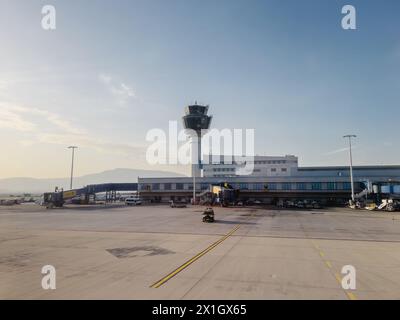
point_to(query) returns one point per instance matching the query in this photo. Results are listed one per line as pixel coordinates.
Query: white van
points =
(132, 201)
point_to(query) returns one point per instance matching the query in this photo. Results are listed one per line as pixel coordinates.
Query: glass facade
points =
(167, 186)
(243, 186)
(272, 186)
(204, 186)
(316, 186)
(286, 186)
(346, 186)
(258, 186)
(331, 186)
(179, 186)
(301, 186)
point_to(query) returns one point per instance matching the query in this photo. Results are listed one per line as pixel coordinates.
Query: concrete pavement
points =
(120, 252)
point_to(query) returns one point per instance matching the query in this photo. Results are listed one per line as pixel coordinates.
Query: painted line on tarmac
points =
(350, 295)
(160, 282)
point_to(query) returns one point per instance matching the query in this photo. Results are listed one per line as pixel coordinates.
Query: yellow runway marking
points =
(189, 262)
(351, 295)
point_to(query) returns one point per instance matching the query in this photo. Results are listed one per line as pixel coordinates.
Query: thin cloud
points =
(13, 116)
(13, 120)
(339, 151)
(63, 133)
(388, 144)
(120, 90)
(92, 143)
(4, 84)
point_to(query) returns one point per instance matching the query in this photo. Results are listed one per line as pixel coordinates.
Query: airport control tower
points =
(196, 119)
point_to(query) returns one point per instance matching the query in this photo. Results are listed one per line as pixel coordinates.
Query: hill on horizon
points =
(120, 175)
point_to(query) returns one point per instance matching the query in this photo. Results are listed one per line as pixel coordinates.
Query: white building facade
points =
(264, 166)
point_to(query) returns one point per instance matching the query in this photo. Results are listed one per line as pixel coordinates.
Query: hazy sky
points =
(112, 70)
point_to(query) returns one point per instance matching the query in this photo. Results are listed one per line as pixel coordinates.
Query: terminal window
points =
(286, 186)
(204, 186)
(243, 186)
(258, 186)
(179, 186)
(272, 186)
(316, 186)
(156, 186)
(332, 186)
(346, 185)
(301, 186)
(167, 186)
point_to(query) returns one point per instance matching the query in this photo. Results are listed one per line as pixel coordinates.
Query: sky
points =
(113, 70)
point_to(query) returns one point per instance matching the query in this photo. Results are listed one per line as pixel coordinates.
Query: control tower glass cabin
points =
(196, 119)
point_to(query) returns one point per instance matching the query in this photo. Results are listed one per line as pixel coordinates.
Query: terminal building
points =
(272, 178)
(325, 184)
(264, 166)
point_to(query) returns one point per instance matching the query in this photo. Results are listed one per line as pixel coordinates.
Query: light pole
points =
(349, 136)
(72, 164)
(194, 189)
(196, 165)
(138, 188)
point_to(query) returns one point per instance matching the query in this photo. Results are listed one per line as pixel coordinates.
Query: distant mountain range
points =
(32, 185)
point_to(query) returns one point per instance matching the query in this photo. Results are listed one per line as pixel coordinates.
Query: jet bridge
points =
(59, 196)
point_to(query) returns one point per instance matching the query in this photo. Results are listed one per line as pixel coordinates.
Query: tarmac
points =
(158, 252)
